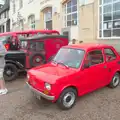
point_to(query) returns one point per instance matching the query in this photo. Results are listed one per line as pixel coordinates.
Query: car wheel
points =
(115, 81)
(10, 72)
(67, 99)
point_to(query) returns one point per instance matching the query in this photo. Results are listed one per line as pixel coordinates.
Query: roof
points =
(5, 7)
(45, 36)
(87, 46)
(30, 32)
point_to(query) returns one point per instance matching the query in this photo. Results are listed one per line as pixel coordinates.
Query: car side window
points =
(109, 53)
(39, 46)
(95, 57)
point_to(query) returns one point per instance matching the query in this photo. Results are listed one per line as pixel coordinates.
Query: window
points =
(70, 13)
(109, 18)
(21, 25)
(14, 6)
(20, 4)
(73, 57)
(31, 21)
(23, 44)
(110, 55)
(48, 19)
(37, 46)
(14, 26)
(29, 1)
(95, 57)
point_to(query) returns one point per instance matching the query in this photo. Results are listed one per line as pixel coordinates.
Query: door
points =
(66, 33)
(96, 74)
(111, 61)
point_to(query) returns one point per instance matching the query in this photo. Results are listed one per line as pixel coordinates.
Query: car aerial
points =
(74, 71)
(35, 50)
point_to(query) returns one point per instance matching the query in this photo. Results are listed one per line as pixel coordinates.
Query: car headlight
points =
(47, 86)
(28, 76)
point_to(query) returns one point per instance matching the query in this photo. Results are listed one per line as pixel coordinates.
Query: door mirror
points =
(86, 66)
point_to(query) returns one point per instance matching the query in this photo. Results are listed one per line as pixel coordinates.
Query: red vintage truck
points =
(11, 39)
(74, 71)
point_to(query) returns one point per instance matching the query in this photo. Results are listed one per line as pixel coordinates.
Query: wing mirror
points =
(86, 66)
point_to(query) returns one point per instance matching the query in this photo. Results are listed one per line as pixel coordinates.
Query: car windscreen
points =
(69, 57)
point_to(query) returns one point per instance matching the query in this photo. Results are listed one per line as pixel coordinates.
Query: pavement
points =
(19, 104)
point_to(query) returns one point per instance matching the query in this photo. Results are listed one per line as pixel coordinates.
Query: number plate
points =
(37, 96)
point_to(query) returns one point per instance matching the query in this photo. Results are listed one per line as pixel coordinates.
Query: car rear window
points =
(36, 46)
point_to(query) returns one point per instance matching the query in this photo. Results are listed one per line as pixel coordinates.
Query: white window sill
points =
(106, 38)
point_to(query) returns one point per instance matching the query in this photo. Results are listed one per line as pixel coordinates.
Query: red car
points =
(75, 70)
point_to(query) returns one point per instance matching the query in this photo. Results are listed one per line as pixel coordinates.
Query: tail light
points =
(7, 46)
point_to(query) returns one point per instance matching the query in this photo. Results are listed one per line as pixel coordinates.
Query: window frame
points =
(102, 21)
(20, 4)
(113, 52)
(96, 50)
(31, 22)
(14, 6)
(65, 14)
(22, 25)
(36, 42)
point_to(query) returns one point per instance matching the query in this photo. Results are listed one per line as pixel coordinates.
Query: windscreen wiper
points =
(62, 64)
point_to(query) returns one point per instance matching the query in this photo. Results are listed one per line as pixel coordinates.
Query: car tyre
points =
(115, 81)
(13, 72)
(67, 99)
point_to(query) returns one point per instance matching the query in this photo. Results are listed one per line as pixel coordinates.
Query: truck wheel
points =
(10, 72)
(36, 60)
(115, 81)
(67, 99)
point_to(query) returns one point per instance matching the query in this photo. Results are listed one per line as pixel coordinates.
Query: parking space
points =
(19, 104)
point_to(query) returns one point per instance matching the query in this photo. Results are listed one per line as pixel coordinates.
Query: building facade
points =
(85, 20)
(34, 14)
(100, 22)
(4, 17)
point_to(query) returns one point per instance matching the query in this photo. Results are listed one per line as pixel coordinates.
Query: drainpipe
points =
(78, 6)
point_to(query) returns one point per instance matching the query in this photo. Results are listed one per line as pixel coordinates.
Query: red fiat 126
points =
(75, 71)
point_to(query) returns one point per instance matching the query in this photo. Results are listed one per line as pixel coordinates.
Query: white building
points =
(4, 17)
(26, 14)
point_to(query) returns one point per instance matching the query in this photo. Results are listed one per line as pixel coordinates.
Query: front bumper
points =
(38, 93)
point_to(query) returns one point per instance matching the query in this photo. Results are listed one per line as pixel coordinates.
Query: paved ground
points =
(19, 104)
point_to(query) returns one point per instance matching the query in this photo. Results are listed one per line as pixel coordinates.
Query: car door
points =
(112, 62)
(94, 76)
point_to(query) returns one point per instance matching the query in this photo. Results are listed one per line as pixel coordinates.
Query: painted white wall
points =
(26, 10)
(74, 32)
(33, 8)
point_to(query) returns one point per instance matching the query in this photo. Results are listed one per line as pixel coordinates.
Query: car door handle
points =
(105, 66)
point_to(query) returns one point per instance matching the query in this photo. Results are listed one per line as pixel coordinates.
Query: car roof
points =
(29, 31)
(87, 46)
(43, 36)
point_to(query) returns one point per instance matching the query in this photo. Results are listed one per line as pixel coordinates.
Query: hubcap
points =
(37, 60)
(8, 72)
(116, 80)
(69, 99)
